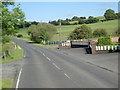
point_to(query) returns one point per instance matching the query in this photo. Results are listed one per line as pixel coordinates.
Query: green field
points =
(101, 17)
(110, 26)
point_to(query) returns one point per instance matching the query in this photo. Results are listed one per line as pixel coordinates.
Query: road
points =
(44, 68)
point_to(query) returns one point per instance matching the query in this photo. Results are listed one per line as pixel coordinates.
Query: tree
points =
(82, 32)
(82, 21)
(118, 15)
(41, 32)
(54, 22)
(110, 14)
(82, 17)
(100, 33)
(75, 18)
(91, 19)
(11, 19)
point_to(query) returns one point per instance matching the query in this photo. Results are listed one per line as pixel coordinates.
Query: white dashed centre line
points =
(48, 58)
(66, 75)
(43, 54)
(56, 66)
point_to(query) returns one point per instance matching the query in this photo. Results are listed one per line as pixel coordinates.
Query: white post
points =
(112, 48)
(15, 46)
(105, 48)
(108, 47)
(96, 47)
(115, 47)
(101, 47)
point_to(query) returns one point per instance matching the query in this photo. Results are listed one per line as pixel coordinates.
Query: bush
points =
(100, 33)
(41, 32)
(5, 39)
(82, 21)
(91, 20)
(104, 41)
(19, 35)
(82, 32)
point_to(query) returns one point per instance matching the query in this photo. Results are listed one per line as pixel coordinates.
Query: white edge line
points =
(24, 56)
(66, 75)
(18, 80)
(56, 66)
(48, 58)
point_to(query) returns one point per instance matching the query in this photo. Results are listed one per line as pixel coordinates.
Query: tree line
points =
(109, 15)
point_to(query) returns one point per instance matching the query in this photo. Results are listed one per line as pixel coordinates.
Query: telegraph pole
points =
(59, 30)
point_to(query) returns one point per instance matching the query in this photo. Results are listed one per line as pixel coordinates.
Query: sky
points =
(49, 11)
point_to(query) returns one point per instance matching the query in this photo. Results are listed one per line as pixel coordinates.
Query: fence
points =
(52, 42)
(104, 48)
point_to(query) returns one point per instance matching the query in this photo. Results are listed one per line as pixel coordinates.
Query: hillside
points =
(110, 26)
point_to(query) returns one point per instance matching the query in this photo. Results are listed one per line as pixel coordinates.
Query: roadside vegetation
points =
(111, 27)
(11, 52)
(7, 83)
(11, 21)
(41, 32)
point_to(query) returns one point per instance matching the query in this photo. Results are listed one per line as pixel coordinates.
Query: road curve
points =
(44, 68)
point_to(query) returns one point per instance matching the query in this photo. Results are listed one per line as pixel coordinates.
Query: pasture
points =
(110, 26)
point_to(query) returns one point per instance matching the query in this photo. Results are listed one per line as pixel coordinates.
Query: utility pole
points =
(60, 30)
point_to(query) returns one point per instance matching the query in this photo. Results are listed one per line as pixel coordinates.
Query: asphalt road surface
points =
(44, 68)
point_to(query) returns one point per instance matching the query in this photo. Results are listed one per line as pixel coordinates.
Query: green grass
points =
(72, 22)
(14, 55)
(7, 83)
(110, 26)
(23, 31)
(101, 17)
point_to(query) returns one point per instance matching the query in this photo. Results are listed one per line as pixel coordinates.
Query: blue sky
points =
(48, 11)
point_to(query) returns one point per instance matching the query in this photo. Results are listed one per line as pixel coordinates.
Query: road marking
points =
(40, 52)
(18, 80)
(66, 75)
(56, 66)
(48, 58)
(24, 56)
(43, 54)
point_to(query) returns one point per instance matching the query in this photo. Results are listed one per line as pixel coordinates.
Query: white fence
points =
(106, 47)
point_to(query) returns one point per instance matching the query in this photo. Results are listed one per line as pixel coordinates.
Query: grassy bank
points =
(110, 26)
(15, 54)
(7, 83)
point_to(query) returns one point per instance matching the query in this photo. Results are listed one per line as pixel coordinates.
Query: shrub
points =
(82, 32)
(100, 33)
(19, 35)
(5, 39)
(104, 41)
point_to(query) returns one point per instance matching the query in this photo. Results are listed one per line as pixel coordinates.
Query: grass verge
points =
(14, 55)
(38, 44)
(7, 83)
